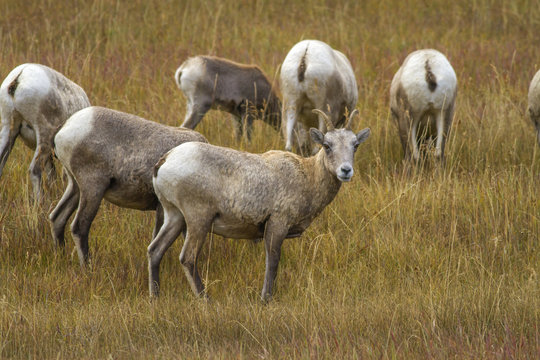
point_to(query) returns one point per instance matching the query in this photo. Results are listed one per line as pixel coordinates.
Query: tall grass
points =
(435, 264)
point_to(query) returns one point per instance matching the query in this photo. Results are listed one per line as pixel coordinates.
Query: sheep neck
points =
(326, 184)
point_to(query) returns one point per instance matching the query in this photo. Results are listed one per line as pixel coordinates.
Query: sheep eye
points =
(326, 147)
(356, 146)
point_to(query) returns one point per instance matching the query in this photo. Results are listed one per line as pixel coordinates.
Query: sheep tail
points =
(302, 67)
(13, 86)
(178, 75)
(430, 77)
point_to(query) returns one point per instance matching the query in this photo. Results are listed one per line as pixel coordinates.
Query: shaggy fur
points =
(275, 195)
(422, 97)
(210, 82)
(109, 154)
(314, 76)
(35, 101)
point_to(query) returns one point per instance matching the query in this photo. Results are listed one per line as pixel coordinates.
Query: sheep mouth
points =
(344, 178)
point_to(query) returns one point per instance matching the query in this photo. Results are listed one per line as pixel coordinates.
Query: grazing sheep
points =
(35, 101)
(275, 195)
(422, 97)
(534, 103)
(315, 76)
(109, 154)
(210, 82)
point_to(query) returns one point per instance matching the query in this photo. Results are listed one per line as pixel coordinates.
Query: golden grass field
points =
(436, 264)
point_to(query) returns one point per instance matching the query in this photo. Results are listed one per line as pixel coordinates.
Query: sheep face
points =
(339, 147)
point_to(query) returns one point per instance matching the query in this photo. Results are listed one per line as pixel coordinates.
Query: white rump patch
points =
(77, 128)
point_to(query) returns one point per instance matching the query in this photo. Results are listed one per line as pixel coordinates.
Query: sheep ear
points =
(363, 135)
(316, 135)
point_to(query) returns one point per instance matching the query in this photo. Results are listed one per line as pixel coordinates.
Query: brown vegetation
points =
(437, 264)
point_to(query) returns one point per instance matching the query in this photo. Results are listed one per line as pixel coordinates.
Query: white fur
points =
(324, 68)
(170, 174)
(31, 107)
(422, 104)
(76, 129)
(534, 103)
(191, 71)
(205, 188)
(413, 80)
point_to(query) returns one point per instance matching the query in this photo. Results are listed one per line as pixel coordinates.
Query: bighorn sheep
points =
(109, 154)
(275, 195)
(534, 103)
(315, 76)
(422, 97)
(35, 101)
(210, 82)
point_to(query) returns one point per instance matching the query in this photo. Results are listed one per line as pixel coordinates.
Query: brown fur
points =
(275, 195)
(115, 162)
(430, 77)
(13, 86)
(240, 89)
(40, 118)
(302, 67)
(159, 163)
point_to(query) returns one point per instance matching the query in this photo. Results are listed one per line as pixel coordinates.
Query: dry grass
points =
(438, 264)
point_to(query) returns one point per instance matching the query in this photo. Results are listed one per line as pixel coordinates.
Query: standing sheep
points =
(315, 76)
(534, 103)
(422, 97)
(275, 195)
(210, 82)
(35, 101)
(109, 154)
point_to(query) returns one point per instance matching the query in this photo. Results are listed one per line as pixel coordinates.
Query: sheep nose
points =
(346, 169)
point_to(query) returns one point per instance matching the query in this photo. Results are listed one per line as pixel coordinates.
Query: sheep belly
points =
(238, 229)
(138, 196)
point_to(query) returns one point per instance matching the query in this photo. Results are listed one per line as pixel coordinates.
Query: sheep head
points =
(339, 146)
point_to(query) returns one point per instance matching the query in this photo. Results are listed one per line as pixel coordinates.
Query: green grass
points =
(437, 264)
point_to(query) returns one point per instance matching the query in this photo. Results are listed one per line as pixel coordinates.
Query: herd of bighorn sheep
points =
(197, 188)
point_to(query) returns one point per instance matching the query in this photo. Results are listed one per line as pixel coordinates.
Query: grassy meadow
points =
(439, 263)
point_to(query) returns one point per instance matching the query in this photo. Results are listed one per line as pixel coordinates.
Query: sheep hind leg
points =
(90, 194)
(439, 142)
(61, 213)
(414, 140)
(172, 226)
(9, 131)
(290, 115)
(195, 113)
(195, 238)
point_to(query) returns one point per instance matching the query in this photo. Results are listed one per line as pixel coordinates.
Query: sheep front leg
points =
(197, 229)
(173, 225)
(249, 125)
(273, 239)
(238, 127)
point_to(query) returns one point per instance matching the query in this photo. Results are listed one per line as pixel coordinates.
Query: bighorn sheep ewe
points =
(35, 101)
(315, 76)
(275, 195)
(534, 103)
(210, 82)
(422, 97)
(109, 154)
